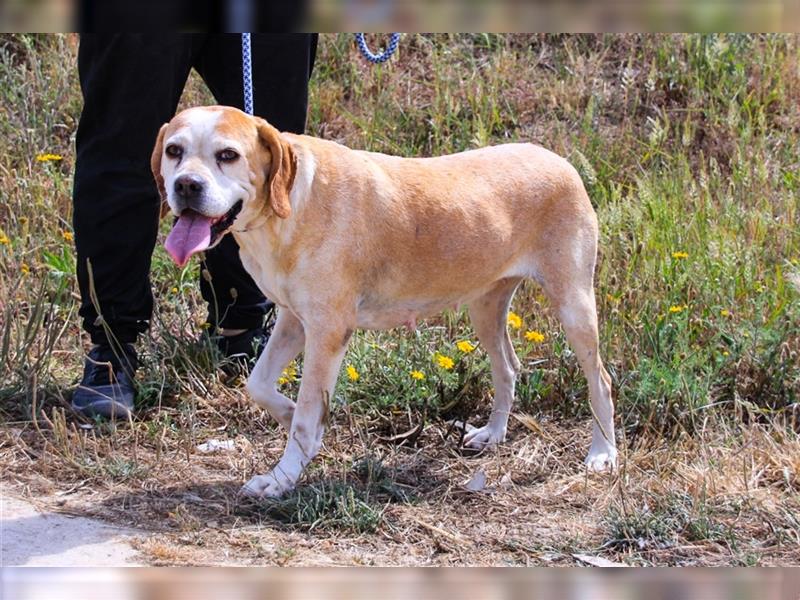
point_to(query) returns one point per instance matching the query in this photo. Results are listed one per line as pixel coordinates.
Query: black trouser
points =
(131, 85)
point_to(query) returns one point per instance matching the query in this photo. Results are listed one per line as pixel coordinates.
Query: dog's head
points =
(218, 169)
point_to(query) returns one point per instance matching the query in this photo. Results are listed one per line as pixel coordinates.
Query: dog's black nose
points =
(189, 187)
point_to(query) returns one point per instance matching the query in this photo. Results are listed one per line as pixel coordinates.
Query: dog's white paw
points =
(267, 486)
(484, 438)
(601, 461)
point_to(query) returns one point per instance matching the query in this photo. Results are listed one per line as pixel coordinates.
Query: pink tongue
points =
(191, 233)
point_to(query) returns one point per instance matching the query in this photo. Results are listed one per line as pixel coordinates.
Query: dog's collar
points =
(259, 221)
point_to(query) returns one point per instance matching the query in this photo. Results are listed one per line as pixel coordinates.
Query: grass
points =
(673, 518)
(688, 147)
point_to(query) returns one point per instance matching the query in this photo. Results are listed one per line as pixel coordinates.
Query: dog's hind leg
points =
(574, 301)
(488, 314)
(284, 345)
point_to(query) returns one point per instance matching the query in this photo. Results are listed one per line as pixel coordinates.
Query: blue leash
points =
(380, 56)
(247, 62)
(247, 73)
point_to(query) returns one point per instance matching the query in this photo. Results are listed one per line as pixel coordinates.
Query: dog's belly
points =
(381, 314)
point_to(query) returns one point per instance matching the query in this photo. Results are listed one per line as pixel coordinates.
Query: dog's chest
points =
(263, 272)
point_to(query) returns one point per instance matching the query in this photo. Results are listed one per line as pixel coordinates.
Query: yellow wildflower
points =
(725, 353)
(534, 336)
(443, 361)
(465, 346)
(725, 313)
(680, 255)
(677, 308)
(514, 320)
(48, 157)
(282, 381)
(24, 268)
(174, 290)
(352, 373)
(67, 235)
(290, 372)
(4, 239)
(418, 375)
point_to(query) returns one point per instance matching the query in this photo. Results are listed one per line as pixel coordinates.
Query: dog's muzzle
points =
(193, 232)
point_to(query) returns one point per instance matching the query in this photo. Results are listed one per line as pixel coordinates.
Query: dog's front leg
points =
(284, 345)
(324, 349)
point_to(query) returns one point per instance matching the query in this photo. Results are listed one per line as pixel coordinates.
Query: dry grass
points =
(718, 498)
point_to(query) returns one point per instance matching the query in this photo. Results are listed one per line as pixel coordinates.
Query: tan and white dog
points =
(341, 239)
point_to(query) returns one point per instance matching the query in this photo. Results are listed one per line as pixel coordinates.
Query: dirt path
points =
(29, 537)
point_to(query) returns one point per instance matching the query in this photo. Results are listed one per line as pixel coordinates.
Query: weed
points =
(668, 522)
(324, 505)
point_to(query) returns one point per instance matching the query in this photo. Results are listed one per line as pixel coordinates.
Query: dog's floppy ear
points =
(281, 170)
(155, 166)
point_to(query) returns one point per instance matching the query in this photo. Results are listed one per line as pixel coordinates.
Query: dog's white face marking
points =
(207, 179)
(218, 163)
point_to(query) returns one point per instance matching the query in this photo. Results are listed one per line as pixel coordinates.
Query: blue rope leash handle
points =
(380, 56)
(247, 73)
(247, 62)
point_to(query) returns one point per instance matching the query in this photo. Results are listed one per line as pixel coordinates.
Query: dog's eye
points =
(227, 155)
(174, 151)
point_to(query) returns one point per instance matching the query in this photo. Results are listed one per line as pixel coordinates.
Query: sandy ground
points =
(29, 537)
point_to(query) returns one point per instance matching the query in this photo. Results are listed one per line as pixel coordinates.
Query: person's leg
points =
(156, 17)
(282, 66)
(131, 85)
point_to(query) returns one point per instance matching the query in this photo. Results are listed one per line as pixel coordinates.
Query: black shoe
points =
(107, 389)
